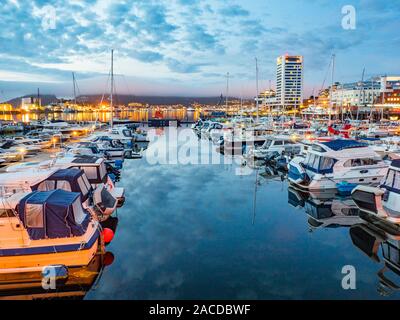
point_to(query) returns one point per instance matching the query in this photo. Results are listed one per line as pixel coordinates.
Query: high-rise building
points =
(289, 81)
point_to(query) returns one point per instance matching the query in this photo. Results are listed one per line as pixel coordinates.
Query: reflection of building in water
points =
(28, 285)
(381, 244)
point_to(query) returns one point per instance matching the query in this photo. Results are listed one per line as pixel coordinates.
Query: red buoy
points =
(108, 258)
(108, 235)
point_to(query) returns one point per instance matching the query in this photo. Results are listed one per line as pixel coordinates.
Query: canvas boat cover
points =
(85, 159)
(341, 144)
(66, 179)
(53, 214)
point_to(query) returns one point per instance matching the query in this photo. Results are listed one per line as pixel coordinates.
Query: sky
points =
(186, 47)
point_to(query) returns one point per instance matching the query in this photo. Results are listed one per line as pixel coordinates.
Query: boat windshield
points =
(267, 144)
(319, 164)
(392, 181)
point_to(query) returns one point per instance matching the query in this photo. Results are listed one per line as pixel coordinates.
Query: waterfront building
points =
(6, 107)
(365, 93)
(31, 104)
(267, 100)
(289, 81)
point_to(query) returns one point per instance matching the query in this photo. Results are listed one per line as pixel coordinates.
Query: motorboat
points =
(99, 149)
(327, 164)
(43, 144)
(99, 202)
(42, 229)
(64, 128)
(126, 135)
(95, 169)
(7, 156)
(114, 148)
(276, 144)
(237, 141)
(382, 202)
(27, 148)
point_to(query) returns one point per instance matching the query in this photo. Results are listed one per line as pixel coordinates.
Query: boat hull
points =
(70, 255)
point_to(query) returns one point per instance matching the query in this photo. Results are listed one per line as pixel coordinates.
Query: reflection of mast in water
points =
(255, 198)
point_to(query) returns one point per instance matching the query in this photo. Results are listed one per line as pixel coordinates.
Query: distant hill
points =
(153, 100)
(125, 99)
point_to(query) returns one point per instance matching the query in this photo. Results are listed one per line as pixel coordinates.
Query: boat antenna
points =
(112, 89)
(227, 90)
(257, 89)
(332, 82)
(361, 90)
(73, 82)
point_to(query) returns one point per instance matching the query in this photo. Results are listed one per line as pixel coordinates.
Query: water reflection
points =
(376, 239)
(140, 115)
(325, 210)
(383, 247)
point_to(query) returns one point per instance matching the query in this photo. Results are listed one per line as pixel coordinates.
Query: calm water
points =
(203, 232)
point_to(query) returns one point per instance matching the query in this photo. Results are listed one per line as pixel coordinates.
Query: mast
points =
(361, 90)
(38, 102)
(332, 82)
(112, 89)
(73, 81)
(227, 91)
(257, 90)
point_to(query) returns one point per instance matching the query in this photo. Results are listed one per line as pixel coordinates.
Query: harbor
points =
(199, 159)
(237, 218)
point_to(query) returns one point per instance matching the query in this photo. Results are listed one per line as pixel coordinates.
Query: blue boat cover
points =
(341, 144)
(50, 214)
(395, 163)
(71, 175)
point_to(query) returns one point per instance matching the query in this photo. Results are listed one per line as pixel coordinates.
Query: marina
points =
(200, 157)
(171, 229)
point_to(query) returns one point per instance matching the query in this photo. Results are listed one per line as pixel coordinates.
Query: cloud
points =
(234, 11)
(164, 39)
(183, 67)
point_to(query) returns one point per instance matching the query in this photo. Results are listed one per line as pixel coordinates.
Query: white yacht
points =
(27, 148)
(99, 149)
(64, 128)
(276, 144)
(329, 163)
(382, 202)
(7, 156)
(237, 141)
